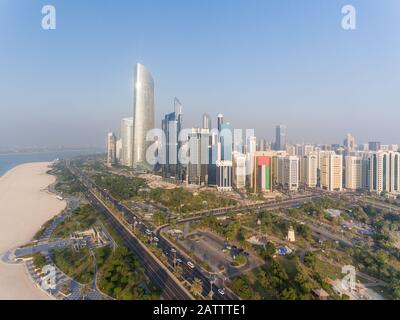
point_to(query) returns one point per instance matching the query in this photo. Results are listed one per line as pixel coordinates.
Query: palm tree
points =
(197, 287)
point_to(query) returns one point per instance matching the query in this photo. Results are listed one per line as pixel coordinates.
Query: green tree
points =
(310, 260)
(288, 294)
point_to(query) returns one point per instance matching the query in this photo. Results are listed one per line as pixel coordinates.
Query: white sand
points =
(25, 205)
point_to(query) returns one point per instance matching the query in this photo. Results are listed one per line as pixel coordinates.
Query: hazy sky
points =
(260, 63)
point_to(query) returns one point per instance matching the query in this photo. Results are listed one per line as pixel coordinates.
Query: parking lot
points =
(211, 248)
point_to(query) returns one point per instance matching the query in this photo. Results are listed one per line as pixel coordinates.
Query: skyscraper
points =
(384, 172)
(143, 114)
(262, 145)
(288, 172)
(126, 141)
(349, 144)
(262, 171)
(331, 171)
(111, 148)
(224, 175)
(118, 150)
(171, 126)
(220, 121)
(226, 139)
(353, 173)
(206, 121)
(280, 137)
(239, 170)
(309, 170)
(198, 156)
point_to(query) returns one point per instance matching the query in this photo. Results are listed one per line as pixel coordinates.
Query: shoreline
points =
(26, 204)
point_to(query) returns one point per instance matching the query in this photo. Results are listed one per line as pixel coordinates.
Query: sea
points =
(9, 161)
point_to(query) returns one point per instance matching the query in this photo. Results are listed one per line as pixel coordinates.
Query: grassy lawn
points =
(328, 270)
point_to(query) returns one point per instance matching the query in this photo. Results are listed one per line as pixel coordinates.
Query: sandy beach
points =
(25, 205)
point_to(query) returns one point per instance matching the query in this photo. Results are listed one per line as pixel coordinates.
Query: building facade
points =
(384, 168)
(309, 170)
(143, 114)
(331, 171)
(280, 137)
(353, 173)
(288, 172)
(239, 170)
(126, 142)
(197, 168)
(171, 126)
(224, 175)
(111, 149)
(262, 172)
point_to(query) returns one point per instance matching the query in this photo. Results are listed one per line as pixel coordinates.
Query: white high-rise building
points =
(126, 141)
(353, 173)
(118, 150)
(309, 170)
(224, 175)
(384, 168)
(239, 170)
(111, 148)
(251, 144)
(288, 172)
(331, 171)
(143, 114)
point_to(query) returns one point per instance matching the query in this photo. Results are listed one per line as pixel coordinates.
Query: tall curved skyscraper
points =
(143, 114)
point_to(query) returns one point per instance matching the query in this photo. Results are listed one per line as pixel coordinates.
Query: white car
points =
(190, 264)
(221, 291)
(173, 250)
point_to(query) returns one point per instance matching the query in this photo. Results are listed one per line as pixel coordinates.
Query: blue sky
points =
(259, 62)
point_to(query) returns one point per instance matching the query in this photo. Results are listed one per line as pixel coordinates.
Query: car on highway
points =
(190, 264)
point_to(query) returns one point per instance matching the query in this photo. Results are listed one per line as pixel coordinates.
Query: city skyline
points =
(72, 81)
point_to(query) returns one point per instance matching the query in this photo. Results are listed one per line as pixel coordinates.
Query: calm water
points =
(8, 161)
